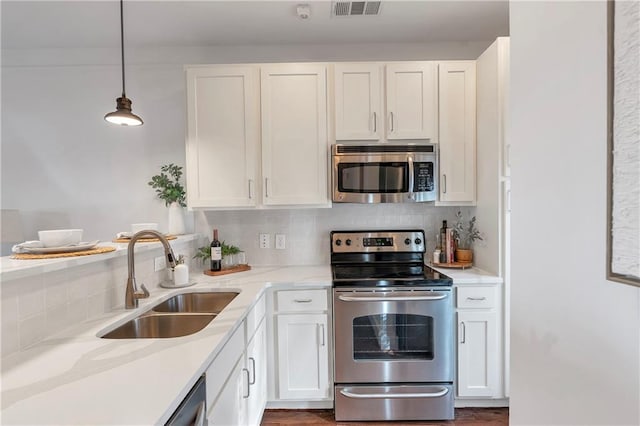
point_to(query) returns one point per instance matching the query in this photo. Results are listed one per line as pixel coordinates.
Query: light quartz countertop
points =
(78, 378)
(75, 377)
(469, 276)
(16, 268)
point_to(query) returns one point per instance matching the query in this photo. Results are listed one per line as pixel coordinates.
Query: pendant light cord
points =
(122, 43)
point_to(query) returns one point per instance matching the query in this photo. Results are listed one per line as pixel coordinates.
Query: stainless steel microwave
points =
(384, 173)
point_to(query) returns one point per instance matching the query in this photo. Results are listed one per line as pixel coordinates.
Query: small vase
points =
(176, 219)
(464, 255)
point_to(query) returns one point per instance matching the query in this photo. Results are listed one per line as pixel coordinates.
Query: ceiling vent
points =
(356, 8)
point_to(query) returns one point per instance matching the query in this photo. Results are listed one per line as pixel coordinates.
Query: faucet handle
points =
(145, 293)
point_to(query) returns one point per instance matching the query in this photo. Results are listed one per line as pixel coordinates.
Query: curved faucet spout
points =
(132, 293)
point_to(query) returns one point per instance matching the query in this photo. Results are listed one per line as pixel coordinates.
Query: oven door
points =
(393, 336)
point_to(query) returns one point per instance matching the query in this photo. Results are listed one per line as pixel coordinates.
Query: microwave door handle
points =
(411, 177)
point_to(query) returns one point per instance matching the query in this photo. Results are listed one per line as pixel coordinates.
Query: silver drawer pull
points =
(303, 300)
(477, 298)
(438, 394)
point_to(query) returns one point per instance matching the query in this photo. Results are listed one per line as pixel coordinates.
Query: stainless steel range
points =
(393, 329)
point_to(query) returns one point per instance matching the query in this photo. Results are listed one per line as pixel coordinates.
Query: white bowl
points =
(137, 227)
(60, 237)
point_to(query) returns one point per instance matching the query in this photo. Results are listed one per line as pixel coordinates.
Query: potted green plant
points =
(465, 233)
(171, 191)
(228, 252)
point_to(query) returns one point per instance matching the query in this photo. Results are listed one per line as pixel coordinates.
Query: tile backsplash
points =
(307, 230)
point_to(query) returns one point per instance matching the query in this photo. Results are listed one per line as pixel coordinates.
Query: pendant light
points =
(123, 115)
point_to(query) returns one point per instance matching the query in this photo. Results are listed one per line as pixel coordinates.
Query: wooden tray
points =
(96, 250)
(237, 268)
(453, 265)
(143, 240)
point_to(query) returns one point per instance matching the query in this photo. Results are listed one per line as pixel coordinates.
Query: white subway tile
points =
(32, 330)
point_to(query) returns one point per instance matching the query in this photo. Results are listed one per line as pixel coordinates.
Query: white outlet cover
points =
(281, 241)
(265, 241)
(159, 263)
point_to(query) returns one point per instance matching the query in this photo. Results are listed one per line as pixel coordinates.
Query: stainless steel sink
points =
(211, 302)
(153, 325)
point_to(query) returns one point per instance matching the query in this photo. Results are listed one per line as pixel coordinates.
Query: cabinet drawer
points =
(254, 317)
(301, 300)
(476, 297)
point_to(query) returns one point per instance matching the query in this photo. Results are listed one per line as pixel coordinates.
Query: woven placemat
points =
(96, 250)
(143, 240)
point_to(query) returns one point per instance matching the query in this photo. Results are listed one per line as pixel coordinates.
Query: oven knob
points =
(348, 242)
(338, 242)
(418, 241)
(407, 241)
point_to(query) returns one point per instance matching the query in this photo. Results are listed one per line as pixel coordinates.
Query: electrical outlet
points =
(265, 241)
(159, 263)
(281, 241)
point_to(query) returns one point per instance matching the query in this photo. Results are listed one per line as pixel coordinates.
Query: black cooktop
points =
(388, 275)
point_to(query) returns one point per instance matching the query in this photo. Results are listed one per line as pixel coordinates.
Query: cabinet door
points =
(294, 135)
(230, 407)
(478, 372)
(357, 100)
(257, 366)
(303, 356)
(457, 114)
(222, 136)
(412, 101)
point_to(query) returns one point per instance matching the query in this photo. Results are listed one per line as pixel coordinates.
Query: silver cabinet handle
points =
(244, 370)
(477, 298)
(508, 200)
(201, 417)
(322, 341)
(508, 155)
(351, 394)
(400, 297)
(250, 188)
(303, 300)
(253, 368)
(444, 184)
(464, 332)
(266, 187)
(375, 122)
(391, 114)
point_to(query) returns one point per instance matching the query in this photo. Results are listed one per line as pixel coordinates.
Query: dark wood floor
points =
(464, 416)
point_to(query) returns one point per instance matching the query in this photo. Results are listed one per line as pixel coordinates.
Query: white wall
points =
(575, 337)
(64, 166)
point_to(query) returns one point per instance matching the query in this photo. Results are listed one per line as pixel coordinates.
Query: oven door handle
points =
(399, 298)
(349, 394)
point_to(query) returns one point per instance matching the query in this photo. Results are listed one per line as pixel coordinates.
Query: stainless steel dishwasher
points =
(193, 409)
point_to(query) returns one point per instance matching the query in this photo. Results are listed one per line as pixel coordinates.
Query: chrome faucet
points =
(133, 294)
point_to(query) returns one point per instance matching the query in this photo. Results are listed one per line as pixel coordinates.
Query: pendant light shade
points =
(123, 115)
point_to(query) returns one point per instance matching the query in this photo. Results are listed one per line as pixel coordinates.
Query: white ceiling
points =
(81, 24)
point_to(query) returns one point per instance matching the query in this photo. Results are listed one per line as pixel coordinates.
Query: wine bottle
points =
(443, 240)
(216, 252)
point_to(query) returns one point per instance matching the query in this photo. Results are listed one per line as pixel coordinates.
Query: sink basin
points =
(160, 326)
(211, 302)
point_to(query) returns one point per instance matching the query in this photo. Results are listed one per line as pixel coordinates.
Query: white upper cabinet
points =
(457, 120)
(223, 136)
(257, 136)
(358, 105)
(295, 145)
(407, 109)
(412, 100)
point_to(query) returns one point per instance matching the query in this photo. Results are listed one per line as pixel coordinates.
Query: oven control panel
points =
(377, 241)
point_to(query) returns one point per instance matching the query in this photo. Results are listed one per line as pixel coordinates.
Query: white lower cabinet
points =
(303, 356)
(479, 348)
(300, 370)
(239, 397)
